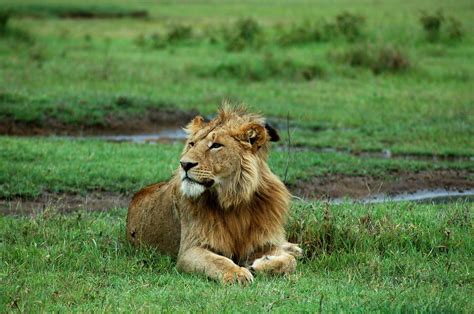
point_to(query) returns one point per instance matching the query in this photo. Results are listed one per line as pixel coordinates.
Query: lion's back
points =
(151, 219)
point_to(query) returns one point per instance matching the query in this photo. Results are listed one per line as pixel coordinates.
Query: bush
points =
(179, 32)
(4, 17)
(454, 28)
(350, 25)
(245, 32)
(265, 68)
(432, 24)
(385, 58)
(345, 24)
(299, 34)
(12, 32)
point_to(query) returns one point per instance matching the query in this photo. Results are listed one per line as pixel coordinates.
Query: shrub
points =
(12, 32)
(432, 24)
(350, 25)
(245, 32)
(437, 26)
(390, 59)
(267, 67)
(378, 59)
(454, 28)
(178, 32)
(4, 17)
(345, 24)
(299, 34)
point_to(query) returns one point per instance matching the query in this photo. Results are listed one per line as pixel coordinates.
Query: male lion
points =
(222, 213)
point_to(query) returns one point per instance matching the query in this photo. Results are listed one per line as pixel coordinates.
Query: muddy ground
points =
(152, 121)
(64, 202)
(327, 187)
(339, 186)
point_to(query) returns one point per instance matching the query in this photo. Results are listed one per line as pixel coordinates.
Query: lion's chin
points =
(192, 189)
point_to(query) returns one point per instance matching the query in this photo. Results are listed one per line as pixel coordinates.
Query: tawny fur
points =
(232, 220)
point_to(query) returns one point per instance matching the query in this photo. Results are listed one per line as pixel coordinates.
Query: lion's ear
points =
(254, 134)
(195, 125)
(272, 132)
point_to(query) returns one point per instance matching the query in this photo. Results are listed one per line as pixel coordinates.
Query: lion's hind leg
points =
(292, 249)
(276, 262)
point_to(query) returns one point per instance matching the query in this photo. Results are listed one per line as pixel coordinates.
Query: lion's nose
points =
(186, 165)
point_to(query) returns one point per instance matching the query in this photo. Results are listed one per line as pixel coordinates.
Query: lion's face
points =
(223, 155)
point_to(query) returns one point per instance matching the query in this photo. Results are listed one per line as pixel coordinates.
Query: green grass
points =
(31, 166)
(74, 70)
(390, 257)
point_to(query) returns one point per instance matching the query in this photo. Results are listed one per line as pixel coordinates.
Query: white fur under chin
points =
(192, 189)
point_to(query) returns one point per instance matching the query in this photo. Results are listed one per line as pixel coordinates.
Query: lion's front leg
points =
(280, 260)
(214, 266)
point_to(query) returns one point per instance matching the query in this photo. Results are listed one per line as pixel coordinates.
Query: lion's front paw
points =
(292, 249)
(240, 275)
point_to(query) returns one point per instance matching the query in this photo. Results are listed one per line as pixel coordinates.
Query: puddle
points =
(438, 196)
(168, 135)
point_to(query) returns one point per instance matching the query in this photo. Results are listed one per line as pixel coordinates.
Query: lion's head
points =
(225, 156)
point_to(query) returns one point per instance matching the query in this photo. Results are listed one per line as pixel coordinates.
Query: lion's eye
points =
(191, 144)
(216, 145)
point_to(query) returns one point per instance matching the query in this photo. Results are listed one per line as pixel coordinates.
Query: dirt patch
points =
(328, 187)
(339, 186)
(64, 203)
(152, 121)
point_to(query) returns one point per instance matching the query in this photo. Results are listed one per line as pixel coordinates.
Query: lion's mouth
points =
(207, 183)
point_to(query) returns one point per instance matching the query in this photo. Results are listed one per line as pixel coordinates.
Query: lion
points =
(222, 214)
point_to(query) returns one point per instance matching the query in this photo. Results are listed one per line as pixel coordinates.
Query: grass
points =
(389, 257)
(29, 167)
